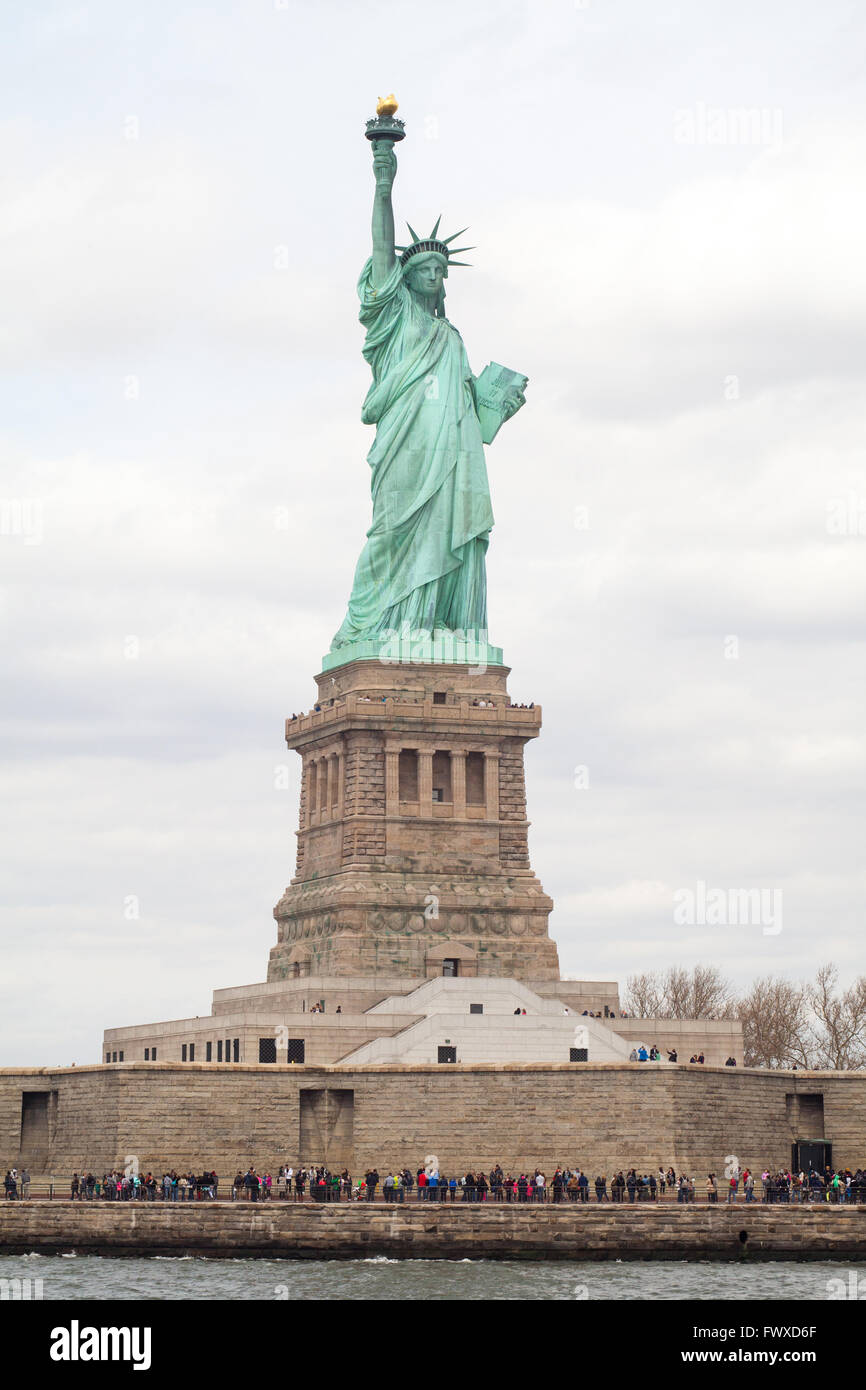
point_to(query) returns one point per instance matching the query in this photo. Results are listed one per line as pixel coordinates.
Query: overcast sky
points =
(668, 208)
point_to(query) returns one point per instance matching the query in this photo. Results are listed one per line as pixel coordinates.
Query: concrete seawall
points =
(348, 1232)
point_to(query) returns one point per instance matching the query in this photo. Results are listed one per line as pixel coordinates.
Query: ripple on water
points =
(191, 1277)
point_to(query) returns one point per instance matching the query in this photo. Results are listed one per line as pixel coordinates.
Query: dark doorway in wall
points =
(811, 1155)
(37, 1110)
(326, 1127)
(805, 1112)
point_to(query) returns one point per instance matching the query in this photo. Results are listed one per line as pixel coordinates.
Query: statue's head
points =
(425, 274)
(425, 264)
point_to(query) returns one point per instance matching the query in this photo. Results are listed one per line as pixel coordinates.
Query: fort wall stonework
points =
(433, 1232)
(601, 1117)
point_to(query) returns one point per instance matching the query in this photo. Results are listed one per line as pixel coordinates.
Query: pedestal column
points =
(392, 781)
(491, 784)
(458, 782)
(326, 787)
(425, 782)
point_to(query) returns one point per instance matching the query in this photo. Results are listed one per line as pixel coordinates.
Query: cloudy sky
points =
(668, 208)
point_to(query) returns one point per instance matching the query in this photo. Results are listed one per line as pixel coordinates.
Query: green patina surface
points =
(420, 582)
(439, 648)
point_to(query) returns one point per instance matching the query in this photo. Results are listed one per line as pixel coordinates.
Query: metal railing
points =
(515, 1194)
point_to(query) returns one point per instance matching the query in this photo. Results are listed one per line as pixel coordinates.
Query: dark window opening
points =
(408, 774)
(153, 1054)
(183, 1052)
(475, 779)
(450, 967)
(219, 1049)
(120, 1057)
(208, 1052)
(442, 776)
(236, 1050)
(439, 697)
(192, 1052)
(476, 1008)
(578, 1054)
(147, 1054)
(447, 1054)
(267, 1049)
(295, 1050)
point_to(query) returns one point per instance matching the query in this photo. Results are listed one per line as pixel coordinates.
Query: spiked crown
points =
(423, 245)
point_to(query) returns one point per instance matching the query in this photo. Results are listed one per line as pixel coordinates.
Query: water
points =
(87, 1277)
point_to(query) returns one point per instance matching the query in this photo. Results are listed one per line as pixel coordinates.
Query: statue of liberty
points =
(423, 565)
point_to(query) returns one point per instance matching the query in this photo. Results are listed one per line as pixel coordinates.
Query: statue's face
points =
(425, 274)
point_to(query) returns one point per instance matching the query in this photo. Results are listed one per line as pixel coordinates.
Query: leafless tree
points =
(679, 993)
(785, 1024)
(700, 993)
(643, 996)
(776, 1024)
(839, 1022)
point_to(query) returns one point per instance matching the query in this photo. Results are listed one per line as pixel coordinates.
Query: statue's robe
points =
(424, 560)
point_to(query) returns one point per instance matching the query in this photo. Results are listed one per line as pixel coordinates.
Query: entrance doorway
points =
(811, 1156)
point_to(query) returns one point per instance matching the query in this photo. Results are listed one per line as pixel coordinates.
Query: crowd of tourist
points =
(403, 699)
(133, 1186)
(567, 1184)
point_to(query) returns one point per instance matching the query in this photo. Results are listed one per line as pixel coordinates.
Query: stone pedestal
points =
(412, 843)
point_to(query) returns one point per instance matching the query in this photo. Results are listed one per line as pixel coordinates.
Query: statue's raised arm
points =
(385, 169)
